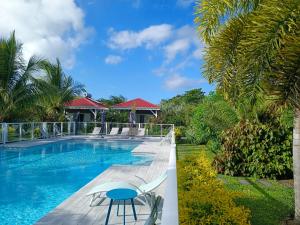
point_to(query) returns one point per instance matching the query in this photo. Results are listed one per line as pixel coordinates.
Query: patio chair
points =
(57, 132)
(125, 131)
(155, 201)
(96, 131)
(114, 131)
(144, 190)
(141, 132)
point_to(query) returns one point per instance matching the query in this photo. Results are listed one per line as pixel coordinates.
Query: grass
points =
(269, 205)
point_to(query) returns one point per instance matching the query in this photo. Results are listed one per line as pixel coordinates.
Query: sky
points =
(136, 48)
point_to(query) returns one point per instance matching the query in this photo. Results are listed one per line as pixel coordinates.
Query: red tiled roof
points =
(138, 103)
(85, 103)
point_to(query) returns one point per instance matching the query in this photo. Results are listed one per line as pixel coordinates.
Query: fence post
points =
(20, 131)
(53, 129)
(85, 127)
(44, 130)
(74, 128)
(61, 128)
(173, 136)
(69, 128)
(106, 128)
(32, 131)
(161, 130)
(4, 133)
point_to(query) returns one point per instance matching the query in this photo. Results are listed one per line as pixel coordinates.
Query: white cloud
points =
(178, 46)
(185, 3)
(148, 37)
(48, 28)
(177, 81)
(113, 59)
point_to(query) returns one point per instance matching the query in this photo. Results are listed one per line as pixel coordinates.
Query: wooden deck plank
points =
(76, 209)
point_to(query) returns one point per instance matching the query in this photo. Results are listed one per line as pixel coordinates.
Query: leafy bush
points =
(210, 118)
(203, 198)
(179, 133)
(256, 149)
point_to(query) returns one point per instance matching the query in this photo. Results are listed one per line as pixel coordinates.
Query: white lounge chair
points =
(114, 131)
(143, 190)
(96, 131)
(57, 132)
(125, 131)
(141, 132)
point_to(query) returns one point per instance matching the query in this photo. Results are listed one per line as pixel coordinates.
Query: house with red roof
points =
(144, 110)
(84, 109)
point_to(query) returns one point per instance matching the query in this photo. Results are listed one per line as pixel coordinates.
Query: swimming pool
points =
(35, 180)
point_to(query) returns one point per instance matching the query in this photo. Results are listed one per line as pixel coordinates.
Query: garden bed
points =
(269, 201)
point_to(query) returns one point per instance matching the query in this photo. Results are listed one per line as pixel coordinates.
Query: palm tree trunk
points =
(296, 162)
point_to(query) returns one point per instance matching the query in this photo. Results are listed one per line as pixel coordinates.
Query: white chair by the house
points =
(141, 132)
(125, 131)
(96, 131)
(114, 131)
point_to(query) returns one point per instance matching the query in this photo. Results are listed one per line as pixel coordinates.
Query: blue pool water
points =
(35, 180)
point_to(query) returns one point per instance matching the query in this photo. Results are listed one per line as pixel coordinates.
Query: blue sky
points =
(137, 48)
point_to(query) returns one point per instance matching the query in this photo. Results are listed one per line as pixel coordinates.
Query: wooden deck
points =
(76, 210)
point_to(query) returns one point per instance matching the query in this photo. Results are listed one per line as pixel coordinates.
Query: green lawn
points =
(269, 205)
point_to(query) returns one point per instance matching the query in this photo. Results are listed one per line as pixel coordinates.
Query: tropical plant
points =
(179, 109)
(112, 100)
(251, 148)
(210, 118)
(253, 50)
(54, 90)
(16, 89)
(202, 197)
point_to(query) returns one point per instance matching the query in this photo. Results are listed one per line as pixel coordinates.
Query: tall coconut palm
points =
(253, 47)
(16, 90)
(54, 89)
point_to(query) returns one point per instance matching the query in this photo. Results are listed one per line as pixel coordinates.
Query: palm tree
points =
(54, 90)
(253, 50)
(16, 90)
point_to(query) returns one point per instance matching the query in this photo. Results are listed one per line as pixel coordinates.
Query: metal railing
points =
(12, 132)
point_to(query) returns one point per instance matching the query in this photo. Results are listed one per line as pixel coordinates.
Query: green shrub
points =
(210, 118)
(37, 132)
(256, 149)
(203, 198)
(213, 145)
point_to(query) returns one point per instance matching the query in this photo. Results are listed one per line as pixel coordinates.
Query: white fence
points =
(12, 132)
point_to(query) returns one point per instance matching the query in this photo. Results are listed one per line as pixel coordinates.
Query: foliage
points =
(112, 100)
(203, 198)
(253, 46)
(179, 133)
(179, 109)
(53, 90)
(269, 205)
(256, 149)
(210, 118)
(16, 90)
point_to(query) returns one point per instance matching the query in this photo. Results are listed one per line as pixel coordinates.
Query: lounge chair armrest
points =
(141, 179)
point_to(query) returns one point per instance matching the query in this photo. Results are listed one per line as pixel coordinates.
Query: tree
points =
(179, 109)
(16, 90)
(54, 90)
(253, 52)
(113, 100)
